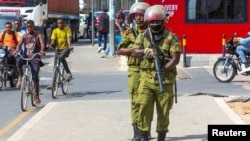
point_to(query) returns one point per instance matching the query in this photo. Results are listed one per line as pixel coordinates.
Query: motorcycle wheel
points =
(224, 72)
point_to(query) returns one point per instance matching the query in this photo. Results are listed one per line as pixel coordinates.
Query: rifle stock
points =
(156, 63)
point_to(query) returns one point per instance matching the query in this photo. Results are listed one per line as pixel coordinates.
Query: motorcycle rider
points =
(9, 40)
(20, 31)
(243, 46)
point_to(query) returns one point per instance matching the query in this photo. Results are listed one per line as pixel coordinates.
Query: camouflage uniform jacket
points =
(167, 45)
(128, 40)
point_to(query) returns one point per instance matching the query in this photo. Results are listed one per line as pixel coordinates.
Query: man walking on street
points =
(103, 31)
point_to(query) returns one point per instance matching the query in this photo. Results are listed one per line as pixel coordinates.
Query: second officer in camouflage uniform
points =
(137, 11)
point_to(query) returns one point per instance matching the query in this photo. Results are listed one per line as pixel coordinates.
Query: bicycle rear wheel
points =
(24, 92)
(55, 82)
(65, 83)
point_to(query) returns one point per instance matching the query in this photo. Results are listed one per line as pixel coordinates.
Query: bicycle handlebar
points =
(29, 59)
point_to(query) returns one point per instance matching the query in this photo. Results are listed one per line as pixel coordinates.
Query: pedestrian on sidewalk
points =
(136, 11)
(120, 27)
(103, 31)
(167, 51)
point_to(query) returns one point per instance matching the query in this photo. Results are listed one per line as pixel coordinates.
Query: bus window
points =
(216, 10)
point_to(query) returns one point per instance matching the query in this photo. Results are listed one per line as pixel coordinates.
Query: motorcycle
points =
(8, 71)
(226, 67)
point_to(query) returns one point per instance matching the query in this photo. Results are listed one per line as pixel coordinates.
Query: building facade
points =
(98, 5)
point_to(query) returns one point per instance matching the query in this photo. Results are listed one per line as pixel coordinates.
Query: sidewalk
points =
(109, 120)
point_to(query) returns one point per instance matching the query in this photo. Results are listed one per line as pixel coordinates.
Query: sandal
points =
(37, 100)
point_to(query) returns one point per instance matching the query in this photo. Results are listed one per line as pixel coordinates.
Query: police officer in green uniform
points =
(167, 51)
(137, 11)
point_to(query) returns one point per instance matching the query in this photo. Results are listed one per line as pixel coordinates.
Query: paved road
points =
(107, 118)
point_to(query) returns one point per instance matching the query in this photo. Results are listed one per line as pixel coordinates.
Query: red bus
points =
(204, 22)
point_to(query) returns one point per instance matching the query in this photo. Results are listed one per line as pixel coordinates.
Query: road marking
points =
(45, 78)
(232, 115)
(15, 121)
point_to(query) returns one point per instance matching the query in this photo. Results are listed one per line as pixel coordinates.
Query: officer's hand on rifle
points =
(149, 52)
(137, 53)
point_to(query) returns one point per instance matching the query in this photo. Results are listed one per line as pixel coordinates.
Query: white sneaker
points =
(244, 69)
(99, 49)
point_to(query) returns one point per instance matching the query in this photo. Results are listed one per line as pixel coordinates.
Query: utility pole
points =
(92, 22)
(111, 27)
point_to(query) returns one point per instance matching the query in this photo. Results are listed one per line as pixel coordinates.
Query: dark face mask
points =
(156, 27)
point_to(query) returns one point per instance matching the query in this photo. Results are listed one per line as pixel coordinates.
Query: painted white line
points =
(45, 78)
(232, 115)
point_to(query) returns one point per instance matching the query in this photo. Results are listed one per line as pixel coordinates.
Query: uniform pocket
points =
(169, 78)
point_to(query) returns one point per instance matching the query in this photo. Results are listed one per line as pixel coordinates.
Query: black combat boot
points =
(136, 133)
(143, 136)
(161, 136)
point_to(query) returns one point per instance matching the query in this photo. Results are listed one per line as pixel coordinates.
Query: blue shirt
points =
(245, 41)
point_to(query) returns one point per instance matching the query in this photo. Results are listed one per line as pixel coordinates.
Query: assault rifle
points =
(156, 62)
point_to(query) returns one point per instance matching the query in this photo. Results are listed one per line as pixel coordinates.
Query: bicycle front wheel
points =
(65, 84)
(55, 82)
(24, 92)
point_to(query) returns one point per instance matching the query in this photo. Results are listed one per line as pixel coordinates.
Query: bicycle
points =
(27, 87)
(59, 75)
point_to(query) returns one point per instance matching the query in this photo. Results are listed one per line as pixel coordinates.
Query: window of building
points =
(216, 11)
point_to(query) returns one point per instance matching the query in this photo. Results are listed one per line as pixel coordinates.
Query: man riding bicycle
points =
(33, 43)
(61, 38)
